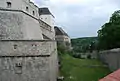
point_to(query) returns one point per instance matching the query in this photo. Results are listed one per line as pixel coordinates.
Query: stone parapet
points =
(26, 48)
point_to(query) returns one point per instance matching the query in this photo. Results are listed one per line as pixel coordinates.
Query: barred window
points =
(9, 4)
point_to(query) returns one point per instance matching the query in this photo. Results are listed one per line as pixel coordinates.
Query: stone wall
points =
(21, 5)
(111, 58)
(18, 25)
(49, 19)
(64, 40)
(24, 55)
(31, 7)
(47, 30)
(25, 60)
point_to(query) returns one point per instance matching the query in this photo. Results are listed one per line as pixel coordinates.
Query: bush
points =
(89, 56)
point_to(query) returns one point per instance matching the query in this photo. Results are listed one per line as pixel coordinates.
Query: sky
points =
(80, 18)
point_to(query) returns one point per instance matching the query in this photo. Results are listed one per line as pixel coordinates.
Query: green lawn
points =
(73, 69)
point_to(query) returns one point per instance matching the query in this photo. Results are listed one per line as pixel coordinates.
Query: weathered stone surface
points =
(16, 25)
(31, 69)
(28, 60)
(24, 55)
(24, 48)
(111, 58)
(47, 31)
(10, 26)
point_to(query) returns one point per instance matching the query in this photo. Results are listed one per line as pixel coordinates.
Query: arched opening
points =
(33, 12)
(27, 9)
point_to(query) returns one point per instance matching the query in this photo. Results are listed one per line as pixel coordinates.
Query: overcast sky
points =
(80, 18)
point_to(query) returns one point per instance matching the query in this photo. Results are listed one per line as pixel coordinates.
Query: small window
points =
(33, 12)
(18, 64)
(15, 46)
(34, 45)
(27, 9)
(18, 68)
(9, 4)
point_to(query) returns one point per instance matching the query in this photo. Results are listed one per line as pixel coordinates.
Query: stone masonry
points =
(111, 58)
(25, 55)
(28, 60)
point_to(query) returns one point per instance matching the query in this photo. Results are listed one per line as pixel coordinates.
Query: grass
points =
(72, 70)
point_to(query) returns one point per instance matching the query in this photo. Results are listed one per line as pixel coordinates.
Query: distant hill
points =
(82, 44)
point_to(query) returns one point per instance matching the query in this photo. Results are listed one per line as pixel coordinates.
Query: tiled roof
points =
(60, 31)
(45, 11)
(115, 76)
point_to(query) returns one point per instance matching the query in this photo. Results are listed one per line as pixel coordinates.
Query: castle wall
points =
(63, 38)
(47, 30)
(48, 19)
(21, 5)
(24, 55)
(32, 27)
(11, 24)
(15, 4)
(18, 25)
(29, 61)
(31, 8)
(31, 69)
(111, 58)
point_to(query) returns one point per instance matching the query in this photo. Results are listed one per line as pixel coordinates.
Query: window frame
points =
(27, 8)
(33, 12)
(9, 4)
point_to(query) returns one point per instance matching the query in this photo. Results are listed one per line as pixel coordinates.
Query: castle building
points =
(62, 37)
(47, 17)
(28, 50)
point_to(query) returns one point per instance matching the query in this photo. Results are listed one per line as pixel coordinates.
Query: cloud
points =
(81, 18)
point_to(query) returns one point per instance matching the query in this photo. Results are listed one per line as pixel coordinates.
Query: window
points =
(34, 45)
(15, 46)
(27, 9)
(18, 68)
(33, 12)
(9, 4)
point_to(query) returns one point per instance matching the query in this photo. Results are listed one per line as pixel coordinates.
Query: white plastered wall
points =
(49, 19)
(21, 5)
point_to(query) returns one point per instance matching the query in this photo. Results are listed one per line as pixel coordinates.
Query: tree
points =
(109, 35)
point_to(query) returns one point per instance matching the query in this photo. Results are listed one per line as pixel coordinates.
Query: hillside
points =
(82, 44)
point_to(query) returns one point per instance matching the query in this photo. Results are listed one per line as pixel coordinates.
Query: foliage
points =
(109, 35)
(85, 44)
(89, 56)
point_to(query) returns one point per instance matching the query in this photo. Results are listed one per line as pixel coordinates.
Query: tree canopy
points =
(84, 44)
(109, 35)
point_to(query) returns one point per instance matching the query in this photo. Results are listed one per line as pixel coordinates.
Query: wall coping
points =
(111, 51)
(28, 40)
(1, 56)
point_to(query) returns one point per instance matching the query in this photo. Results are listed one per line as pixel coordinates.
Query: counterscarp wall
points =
(111, 58)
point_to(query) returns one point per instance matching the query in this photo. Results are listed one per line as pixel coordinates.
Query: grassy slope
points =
(72, 67)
